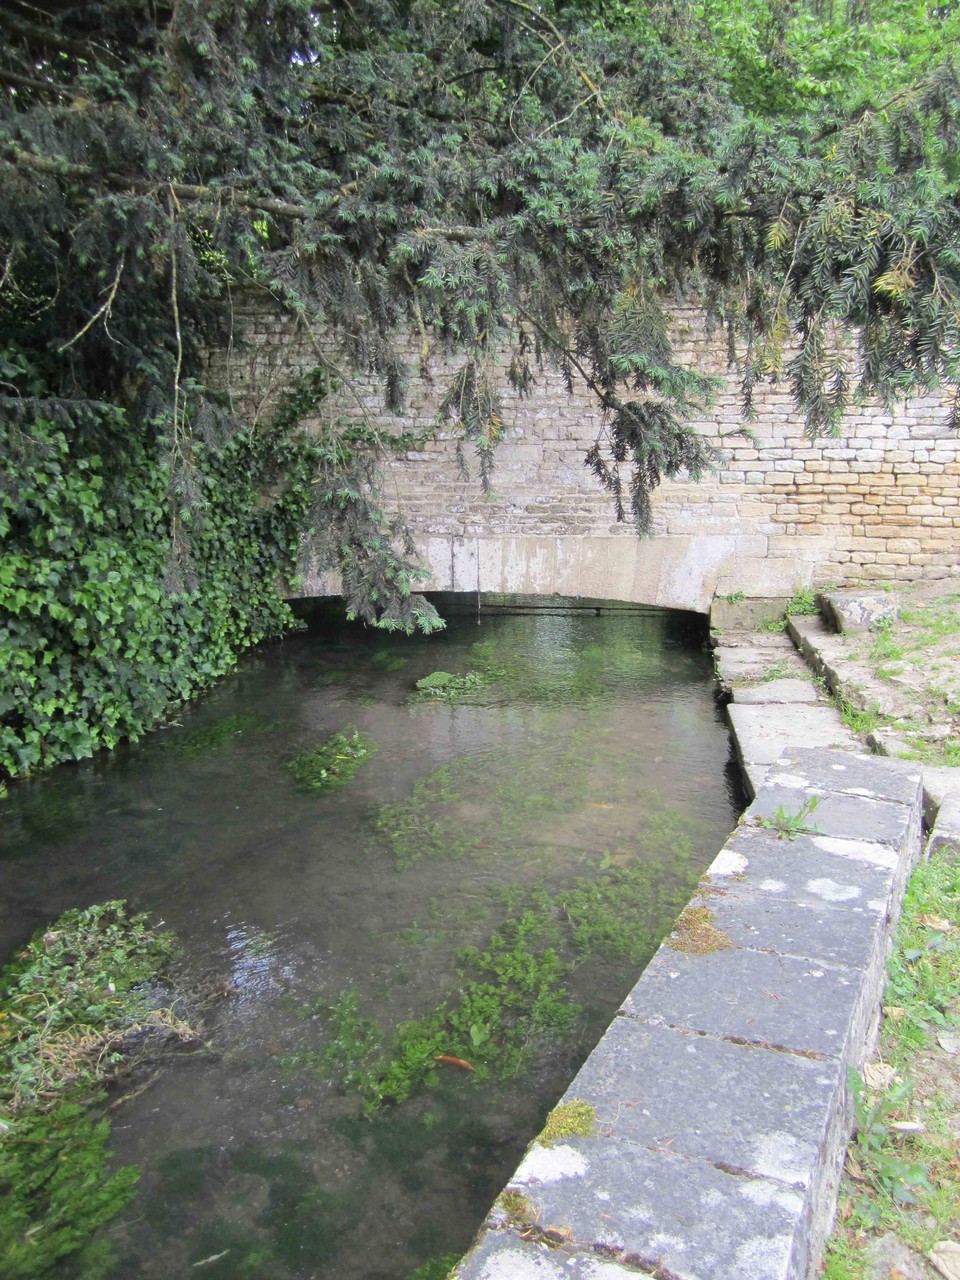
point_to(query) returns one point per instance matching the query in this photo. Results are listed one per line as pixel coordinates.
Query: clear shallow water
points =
(597, 747)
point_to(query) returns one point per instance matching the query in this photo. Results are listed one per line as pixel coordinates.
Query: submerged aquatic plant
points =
(334, 762)
(212, 737)
(515, 995)
(75, 1003)
(80, 1004)
(515, 1000)
(59, 1190)
(444, 686)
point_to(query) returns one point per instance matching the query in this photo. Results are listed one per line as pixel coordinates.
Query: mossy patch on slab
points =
(516, 1208)
(573, 1119)
(334, 762)
(696, 934)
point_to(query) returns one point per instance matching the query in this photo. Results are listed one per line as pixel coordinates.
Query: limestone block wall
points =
(879, 503)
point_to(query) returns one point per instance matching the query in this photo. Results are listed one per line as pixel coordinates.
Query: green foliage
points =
(443, 686)
(78, 1004)
(105, 628)
(803, 601)
(792, 824)
(333, 762)
(522, 185)
(436, 1268)
(515, 1001)
(924, 970)
(876, 1149)
(514, 997)
(72, 996)
(59, 1190)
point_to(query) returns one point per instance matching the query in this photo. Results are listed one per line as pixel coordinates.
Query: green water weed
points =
(514, 1000)
(435, 1268)
(211, 738)
(443, 686)
(59, 1191)
(73, 996)
(78, 1006)
(334, 762)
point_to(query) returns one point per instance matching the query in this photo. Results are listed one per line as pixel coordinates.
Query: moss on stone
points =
(574, 1119)
(516, 1208)
(696, 934)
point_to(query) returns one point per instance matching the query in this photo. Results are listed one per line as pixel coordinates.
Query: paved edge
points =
(720, 1089)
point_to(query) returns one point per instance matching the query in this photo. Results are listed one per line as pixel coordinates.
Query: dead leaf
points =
(878, 1075)
(949, 1041)
(945, 1256)
(935, 922)
(894, 1012)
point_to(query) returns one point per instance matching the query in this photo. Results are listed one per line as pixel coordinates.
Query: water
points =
(595, 751)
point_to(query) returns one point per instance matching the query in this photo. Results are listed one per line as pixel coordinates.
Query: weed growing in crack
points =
(791, 824)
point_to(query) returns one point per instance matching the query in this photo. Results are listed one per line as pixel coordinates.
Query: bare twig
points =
(101, 311)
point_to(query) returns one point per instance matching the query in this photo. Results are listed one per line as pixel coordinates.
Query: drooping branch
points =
(185, 192)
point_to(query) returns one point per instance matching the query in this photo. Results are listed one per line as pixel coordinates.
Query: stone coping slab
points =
(860, 774)
(677, 1217)
(782, 1002)
(761, 920)
(719, 1094)
(755, 1109)
(784, 690)
(764, 734)
(845, 816)
(946, 829)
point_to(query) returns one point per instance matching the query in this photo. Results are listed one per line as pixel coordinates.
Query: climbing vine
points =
(112, 613)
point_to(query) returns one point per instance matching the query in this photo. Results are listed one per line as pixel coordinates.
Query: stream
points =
(564, 808)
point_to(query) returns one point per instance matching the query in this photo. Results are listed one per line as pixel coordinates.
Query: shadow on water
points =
(563, 805)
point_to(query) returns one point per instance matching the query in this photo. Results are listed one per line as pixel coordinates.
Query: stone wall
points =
(880, 503)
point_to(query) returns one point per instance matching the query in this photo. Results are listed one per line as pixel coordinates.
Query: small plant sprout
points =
(791, 824)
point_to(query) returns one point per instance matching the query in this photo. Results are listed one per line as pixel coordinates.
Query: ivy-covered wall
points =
(109, 613)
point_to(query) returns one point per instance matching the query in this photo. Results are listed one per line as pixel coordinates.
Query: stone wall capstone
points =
(878, 503)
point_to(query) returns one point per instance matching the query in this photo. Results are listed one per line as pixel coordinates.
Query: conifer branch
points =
(185, 192)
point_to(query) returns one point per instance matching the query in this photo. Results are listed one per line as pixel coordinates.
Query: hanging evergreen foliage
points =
(495, 176)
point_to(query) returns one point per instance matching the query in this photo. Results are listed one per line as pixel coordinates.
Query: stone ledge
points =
(722, 1110)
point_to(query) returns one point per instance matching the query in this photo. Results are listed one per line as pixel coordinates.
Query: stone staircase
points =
(786, 687)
